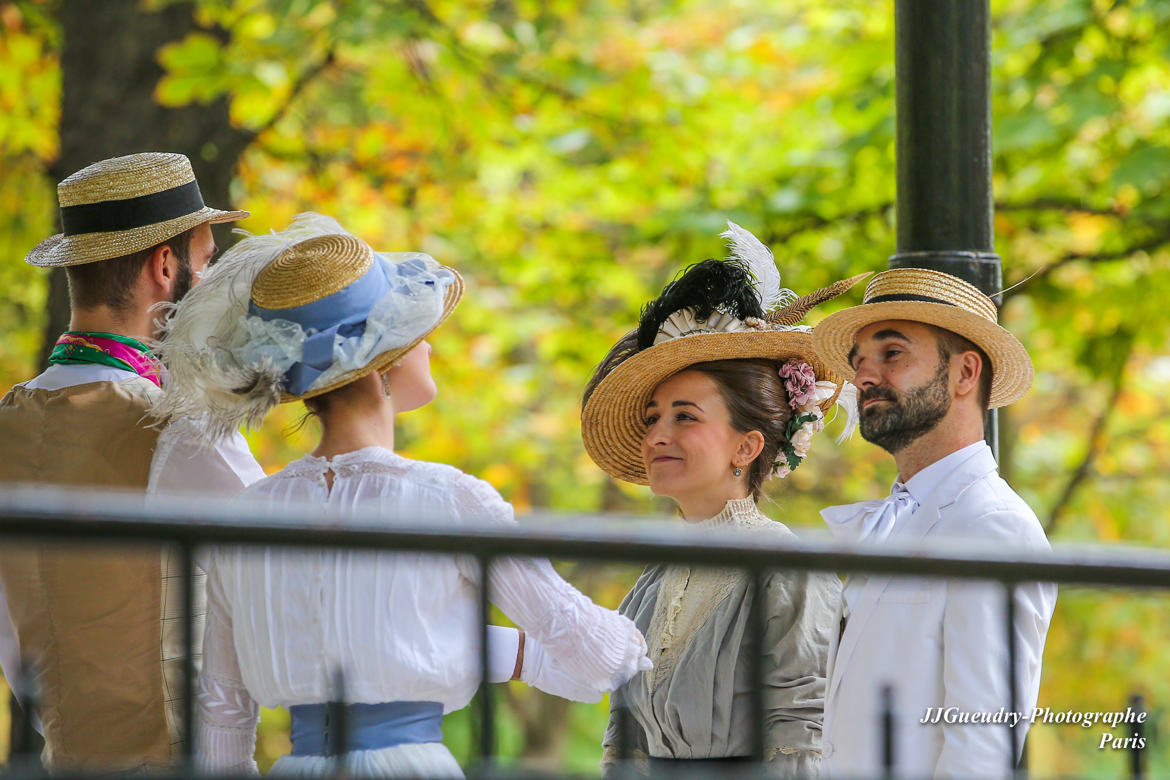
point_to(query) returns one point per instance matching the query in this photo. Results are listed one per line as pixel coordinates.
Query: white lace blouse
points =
(401, 626)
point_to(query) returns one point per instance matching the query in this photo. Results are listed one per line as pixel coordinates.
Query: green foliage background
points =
(570, 156)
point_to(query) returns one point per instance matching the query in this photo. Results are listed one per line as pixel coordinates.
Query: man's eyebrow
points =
(881, 335)
(889, 333)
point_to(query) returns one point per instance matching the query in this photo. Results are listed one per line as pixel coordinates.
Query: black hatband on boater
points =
(130, 213)
(907, 297)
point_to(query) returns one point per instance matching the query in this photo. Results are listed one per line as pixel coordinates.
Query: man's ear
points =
(969, 369)
(750, 447)
(159, 270)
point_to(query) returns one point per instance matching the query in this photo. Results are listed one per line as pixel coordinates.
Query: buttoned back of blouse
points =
(400, 626)
(696, 703)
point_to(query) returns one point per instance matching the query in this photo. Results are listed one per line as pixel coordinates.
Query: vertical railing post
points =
(487, 735)
(337, 722)
(625, 740)
(886, 719)
(756, 618)
(1137, 752)
(943, 111)
(187, 562)
(26, 744)
(1013, 695)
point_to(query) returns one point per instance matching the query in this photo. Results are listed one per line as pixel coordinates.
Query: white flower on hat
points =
(801, 440)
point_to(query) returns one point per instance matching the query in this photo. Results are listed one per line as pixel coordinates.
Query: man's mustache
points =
(878, 393)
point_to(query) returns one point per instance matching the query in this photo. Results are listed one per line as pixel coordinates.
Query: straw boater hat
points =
(123, 205)
(934, 298)
(292, 315)
(717, 310)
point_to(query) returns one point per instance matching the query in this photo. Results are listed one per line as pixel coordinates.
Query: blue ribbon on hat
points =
(342, 314)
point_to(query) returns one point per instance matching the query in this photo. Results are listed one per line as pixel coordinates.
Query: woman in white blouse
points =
(314, 314)
(712, 394)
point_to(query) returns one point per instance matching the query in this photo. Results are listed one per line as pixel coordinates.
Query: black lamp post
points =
(944, 203)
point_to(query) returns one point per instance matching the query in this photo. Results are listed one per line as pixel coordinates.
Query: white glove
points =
(503, 647)
(542, 672)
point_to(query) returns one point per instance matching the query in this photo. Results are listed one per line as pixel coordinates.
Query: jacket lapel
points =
(854, 626)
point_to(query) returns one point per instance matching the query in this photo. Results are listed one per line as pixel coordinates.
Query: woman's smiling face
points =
(689, 448)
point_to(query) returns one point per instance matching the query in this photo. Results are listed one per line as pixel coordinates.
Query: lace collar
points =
(688, 597)
(738, 512)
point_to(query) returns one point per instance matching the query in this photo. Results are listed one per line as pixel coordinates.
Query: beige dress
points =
(696, 702)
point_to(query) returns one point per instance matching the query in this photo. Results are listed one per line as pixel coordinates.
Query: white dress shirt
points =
(921, 485)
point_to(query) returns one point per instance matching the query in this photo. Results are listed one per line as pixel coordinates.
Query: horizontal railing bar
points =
(118, 519)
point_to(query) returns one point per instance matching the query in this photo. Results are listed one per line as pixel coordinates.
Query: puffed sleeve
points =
(800, 608)
(227, 714)
(184, 463)
(598, 647)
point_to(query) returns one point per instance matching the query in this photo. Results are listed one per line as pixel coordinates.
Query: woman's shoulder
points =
(468, 492)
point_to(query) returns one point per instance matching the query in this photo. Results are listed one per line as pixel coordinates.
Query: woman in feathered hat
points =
(313, 314)
(717, 390)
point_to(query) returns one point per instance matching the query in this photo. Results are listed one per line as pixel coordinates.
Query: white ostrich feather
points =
(847, 403)
(758, 259)
(205, 377)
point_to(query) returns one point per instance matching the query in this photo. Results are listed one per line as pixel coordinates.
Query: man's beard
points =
(184, 277)
(905, 417)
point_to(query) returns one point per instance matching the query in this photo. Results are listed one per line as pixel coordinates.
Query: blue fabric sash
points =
(367, 726)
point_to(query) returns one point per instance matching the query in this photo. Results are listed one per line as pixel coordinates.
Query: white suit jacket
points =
(939, 643)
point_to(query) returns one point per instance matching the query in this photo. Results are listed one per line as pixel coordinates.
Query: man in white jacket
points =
(928, 360)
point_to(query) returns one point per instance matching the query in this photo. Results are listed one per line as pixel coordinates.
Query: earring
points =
(738, 471)
(385, 386)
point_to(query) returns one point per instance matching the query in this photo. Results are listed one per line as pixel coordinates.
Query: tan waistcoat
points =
(87, 618)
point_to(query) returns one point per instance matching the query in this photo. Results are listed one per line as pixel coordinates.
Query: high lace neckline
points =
(737, 511)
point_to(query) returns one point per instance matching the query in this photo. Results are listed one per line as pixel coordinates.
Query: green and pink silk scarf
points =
(106, 349)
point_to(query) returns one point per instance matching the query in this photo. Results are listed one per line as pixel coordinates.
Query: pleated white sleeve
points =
(598, 647)
(227, 715)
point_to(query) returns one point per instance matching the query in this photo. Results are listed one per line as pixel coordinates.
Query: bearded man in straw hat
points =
(928, 360)
(102, 630)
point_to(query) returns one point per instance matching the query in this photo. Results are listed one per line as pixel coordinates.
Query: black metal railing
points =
(63, 517)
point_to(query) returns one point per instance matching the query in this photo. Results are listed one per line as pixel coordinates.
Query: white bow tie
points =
(868, 522)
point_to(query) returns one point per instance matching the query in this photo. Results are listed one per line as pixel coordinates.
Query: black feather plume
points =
(704, 287)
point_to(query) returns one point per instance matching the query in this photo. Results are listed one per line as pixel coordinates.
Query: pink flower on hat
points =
(800, 381)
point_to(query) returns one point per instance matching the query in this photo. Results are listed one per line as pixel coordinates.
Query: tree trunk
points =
(109, 67)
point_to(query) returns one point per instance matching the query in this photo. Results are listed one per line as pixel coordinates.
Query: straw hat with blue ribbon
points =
(123, 205)
(294, 314)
